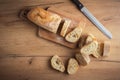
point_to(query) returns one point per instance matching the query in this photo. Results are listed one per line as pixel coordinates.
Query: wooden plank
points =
(22, 40)
(35, 68)
(18, 41)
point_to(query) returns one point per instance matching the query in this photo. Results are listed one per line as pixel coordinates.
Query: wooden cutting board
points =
(25, 56)
(56, 37)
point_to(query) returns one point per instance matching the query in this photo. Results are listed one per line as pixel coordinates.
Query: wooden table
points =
(25, 56)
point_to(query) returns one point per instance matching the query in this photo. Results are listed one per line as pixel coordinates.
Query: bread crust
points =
(65, 27)
(106, 49)
(90, 38)
(98, 53)
(82, 59)
(72, 66)
(89, 48)
(74, 35)
(44, 19)
(57, 63)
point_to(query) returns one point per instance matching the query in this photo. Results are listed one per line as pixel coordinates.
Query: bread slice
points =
(57, 63)
(99, 50)
(89, 48)
(44, 19)
(74, 35)
(82, 59)
(106, 49)
(98, 53)
(72, 66)
(65, 27)
(90, 38)
(82, 41)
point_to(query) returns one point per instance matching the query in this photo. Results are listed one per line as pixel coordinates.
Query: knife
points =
(89, 15)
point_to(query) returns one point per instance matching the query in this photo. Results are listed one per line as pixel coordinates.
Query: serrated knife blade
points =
(89, 15)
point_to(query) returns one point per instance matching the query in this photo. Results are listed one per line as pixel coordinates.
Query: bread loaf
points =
(82, 59)
(57, 63)
(74, 35)
(44, 19)
(65, 27)
(72, 66)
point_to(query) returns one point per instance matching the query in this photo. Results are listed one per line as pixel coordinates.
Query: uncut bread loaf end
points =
(44, 19)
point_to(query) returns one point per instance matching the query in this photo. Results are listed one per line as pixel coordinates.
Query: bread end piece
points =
(44, 19)
(98, 53)
(57, 63)
(72, 66)
(106, 49)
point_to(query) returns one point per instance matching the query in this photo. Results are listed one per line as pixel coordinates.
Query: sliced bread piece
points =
(72, 66)
(106, 49)
(74, 35)
(89, 48)
(57, 63)
(90, 38)
(44, 19)
(82, 59)
(99, 50)
(65, 27)
(82, 41)
(98, 53)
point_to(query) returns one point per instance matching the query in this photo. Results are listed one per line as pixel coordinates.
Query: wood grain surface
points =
(25, 56)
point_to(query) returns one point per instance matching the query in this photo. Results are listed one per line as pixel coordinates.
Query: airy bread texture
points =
(98, 53)
(57, 63)
(89, 48)
(74, 35)
(72, 66)
(90, 38)
(65, 27)
(82, 59)
(44, 19)
(99, 50)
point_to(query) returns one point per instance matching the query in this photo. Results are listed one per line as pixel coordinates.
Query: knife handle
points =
(78, 4)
